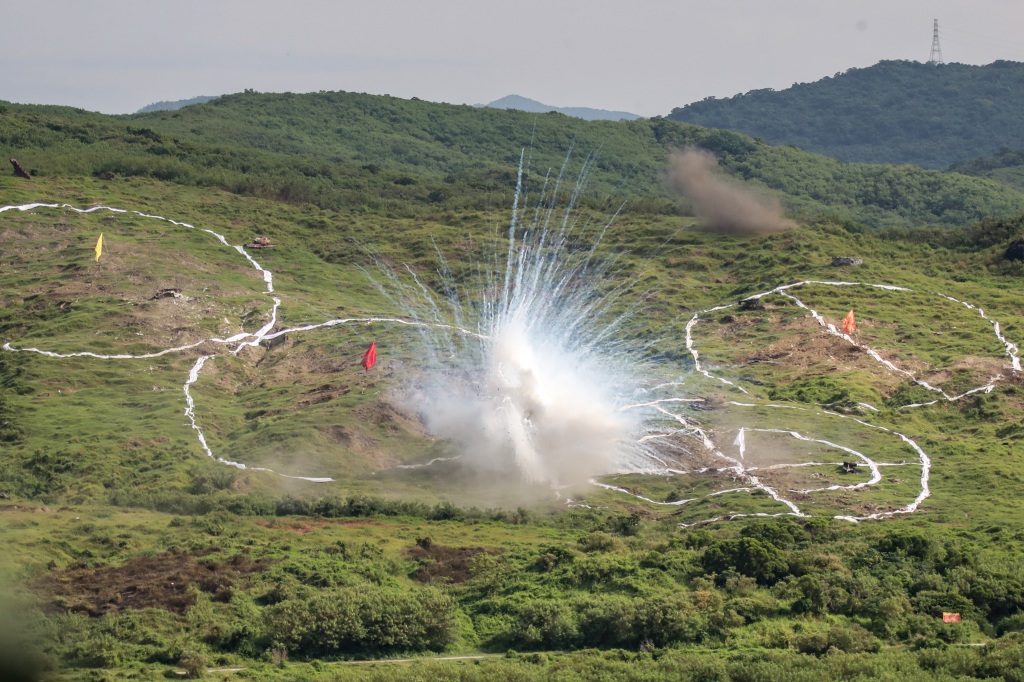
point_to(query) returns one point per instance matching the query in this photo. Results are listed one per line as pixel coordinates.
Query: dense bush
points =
(364, 621)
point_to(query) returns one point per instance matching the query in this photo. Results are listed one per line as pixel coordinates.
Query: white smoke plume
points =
(526, 377)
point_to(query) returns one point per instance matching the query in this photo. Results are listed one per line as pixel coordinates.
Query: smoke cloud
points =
(722, 204)
(534, 407)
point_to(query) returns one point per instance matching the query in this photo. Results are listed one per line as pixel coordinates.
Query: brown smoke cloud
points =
(723, 204)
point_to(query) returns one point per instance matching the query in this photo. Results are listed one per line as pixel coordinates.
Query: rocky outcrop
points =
(846, 260)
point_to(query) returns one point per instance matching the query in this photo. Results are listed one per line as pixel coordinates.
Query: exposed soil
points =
(164, 581)
(444, 564)
(814, 347)
(360, 444)
(387, 417)
(68, 275)
(979, 369)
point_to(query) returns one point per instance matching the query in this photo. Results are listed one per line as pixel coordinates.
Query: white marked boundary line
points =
(1012, 351)
(739, 470)
(253, 339)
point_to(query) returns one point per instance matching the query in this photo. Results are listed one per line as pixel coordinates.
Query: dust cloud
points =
(723, 204)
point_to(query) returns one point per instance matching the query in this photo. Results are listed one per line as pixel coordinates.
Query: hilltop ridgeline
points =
(174, 105)
(532, 105)
(892, 112)
(344, 150)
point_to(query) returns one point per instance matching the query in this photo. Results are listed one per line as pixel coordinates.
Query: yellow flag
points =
(99, 246)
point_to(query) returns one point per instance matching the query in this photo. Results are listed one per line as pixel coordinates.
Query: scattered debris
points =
(846, 260)
(19, 170)
(260, 243)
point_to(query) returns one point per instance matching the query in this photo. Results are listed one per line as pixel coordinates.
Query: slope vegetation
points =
(338, 150)
(181, 493)
(892, 112)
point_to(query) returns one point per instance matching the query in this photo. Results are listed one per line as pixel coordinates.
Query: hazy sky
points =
(642, 56)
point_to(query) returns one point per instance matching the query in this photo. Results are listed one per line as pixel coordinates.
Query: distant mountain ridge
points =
(892, 112)
(531, 105)
(176, 104)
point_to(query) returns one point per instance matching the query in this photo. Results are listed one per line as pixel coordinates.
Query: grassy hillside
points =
(365, 152)
(892, 112)
(139, 553)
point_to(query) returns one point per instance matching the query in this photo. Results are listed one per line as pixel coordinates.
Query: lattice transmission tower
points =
(936, 54)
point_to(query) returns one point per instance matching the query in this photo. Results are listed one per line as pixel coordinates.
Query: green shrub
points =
(364, 621)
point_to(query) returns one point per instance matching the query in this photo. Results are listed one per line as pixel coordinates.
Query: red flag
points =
(369, 357)
(948, 617)
(849, 324)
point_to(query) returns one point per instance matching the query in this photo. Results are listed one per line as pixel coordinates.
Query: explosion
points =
(540, 384)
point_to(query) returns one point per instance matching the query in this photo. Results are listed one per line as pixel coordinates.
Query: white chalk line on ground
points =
(737, 468)
(1011, 350)
(243, 339)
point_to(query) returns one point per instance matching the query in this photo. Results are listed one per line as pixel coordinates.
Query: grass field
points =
(142, 554)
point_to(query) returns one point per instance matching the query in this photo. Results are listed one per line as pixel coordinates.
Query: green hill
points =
(892, 112)
(341, 150)
(140, 548)
(1006, 166)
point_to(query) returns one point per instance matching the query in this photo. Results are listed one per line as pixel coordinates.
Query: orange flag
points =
(369, 357)
(849, 324)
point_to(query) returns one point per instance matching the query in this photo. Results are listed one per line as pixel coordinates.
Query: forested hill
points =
(1006, 166)
(351, 151)
(892, 112)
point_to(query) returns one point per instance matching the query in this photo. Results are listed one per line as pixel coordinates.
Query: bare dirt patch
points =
(444, 564)
(165, 581)
(322, 394)
(811, 346)
(130, 271)
(387, 417)
(978, 369)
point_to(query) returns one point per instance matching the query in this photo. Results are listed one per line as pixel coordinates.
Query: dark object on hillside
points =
(167, 293)
(19, 170)
(276, 341)
(107, 175)
(1015, 251)
(850, 467)
(846, 260)
(260, 243)
(751, 304)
